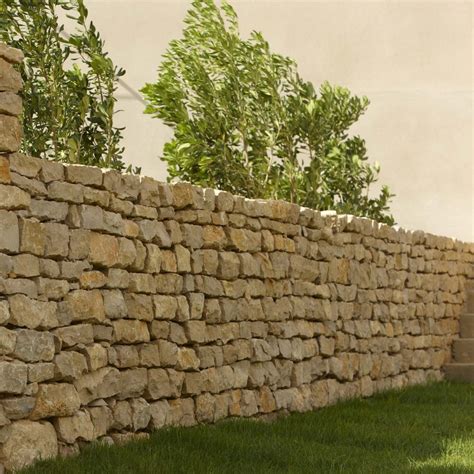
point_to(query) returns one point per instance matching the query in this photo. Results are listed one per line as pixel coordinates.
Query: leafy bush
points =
(246, 122)
(69, 83)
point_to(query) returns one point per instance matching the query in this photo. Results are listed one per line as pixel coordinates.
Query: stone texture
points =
(28, 441)
(10, 131)
(58, 399)
(9, 232)
(128, 305)
(32, 314)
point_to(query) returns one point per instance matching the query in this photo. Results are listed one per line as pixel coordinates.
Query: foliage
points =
(69, 82)
(246, 122)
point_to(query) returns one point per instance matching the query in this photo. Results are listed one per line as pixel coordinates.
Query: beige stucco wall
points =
(412, 59)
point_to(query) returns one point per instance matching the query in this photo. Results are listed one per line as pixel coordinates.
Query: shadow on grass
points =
(428, 429)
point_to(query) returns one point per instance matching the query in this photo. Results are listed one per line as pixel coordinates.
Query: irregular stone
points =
(76, 427)
(130, 332)
(87, 175)
(76, 334)
(40, 372)
(10, 104)
(7, 341)
(55, 399)
(32, 314)
(5, 176)
(69, 366)
(10, 130)
(104, 250)
(102, 383)
(83, 305)
(28, 441)
(133, 383)
(13, 377)
(139, 306)
(34, 346)
(57, 240)
(9, 232)
(164, 384)
(18, 408)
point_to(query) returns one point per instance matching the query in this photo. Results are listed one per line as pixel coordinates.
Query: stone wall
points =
(127, 304)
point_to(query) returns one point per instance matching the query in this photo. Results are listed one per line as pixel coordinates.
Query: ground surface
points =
(426, 429)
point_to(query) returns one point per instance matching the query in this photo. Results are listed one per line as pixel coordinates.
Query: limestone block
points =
(102, 420)
(40, 372)
(33, 237)
(7, 341)
(87, 175)
(57, 240)
(92, 280)
(32, 314)
(123, 356)
(5, 175)
(55, 399)
(141, 413)
(69, 365)
(130, 332)
(26, 442)
(10, 130)
(104, 250)
(164, 383)
(50, 210)
(13, 377)
(139, 306)
(12, 197)
(10, 103)
(133, 383)
(76, 334)
(187, 359)
(76, 427)
(74, 193)
(102, 383)
(85, 305)
(34, 346)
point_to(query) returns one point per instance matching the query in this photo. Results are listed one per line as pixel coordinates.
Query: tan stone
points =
(34, 346)
(55, 399)
(5, 176)
(130, 332)
(10, 131)
(32, 314)
(187, 359)
(69, 366)
(7, 341)
(133, 383)
(9, 232)
(83, 305)
(26, 442)
(10, 54)
(92, 280)
(57, 240)
(76, 427)
(10, 103)
(139, 306)
(102, 420)
(13, 377)
(164, 384)
(104, 250)
(165, 306)
(102, 383)
(76, 334)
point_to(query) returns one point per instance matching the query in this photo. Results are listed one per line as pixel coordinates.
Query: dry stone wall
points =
(127, 304)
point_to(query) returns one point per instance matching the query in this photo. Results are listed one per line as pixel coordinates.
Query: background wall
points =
(412, 59)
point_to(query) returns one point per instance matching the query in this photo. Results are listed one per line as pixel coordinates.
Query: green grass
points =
(428, 429)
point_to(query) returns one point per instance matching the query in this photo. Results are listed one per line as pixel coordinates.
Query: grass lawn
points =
(427, 429)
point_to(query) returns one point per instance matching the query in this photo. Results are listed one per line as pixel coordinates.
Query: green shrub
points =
(246, 122)
(69, 83)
